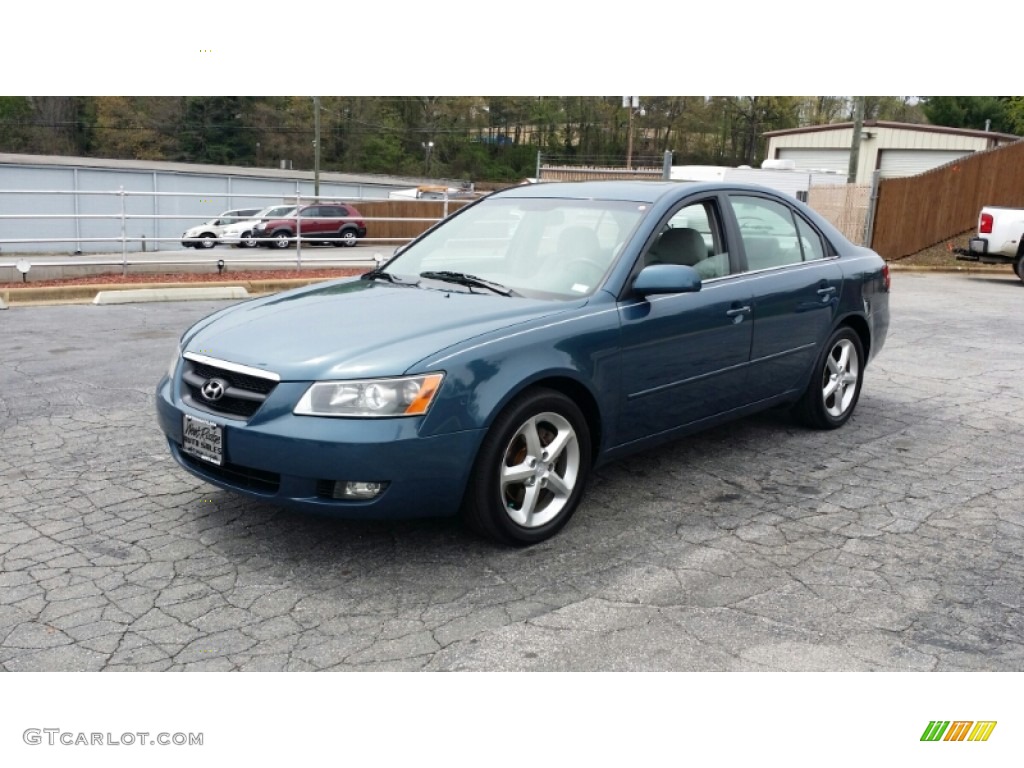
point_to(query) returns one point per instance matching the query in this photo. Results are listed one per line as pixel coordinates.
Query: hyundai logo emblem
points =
(214, 389)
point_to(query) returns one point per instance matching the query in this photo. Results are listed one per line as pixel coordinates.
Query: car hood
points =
(357, 328)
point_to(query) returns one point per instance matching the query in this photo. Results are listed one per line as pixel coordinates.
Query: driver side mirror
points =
(667, 278)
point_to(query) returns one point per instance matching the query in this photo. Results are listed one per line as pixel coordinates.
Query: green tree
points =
(1015, 114)
(968, 112)
(147, 128)
(15, 127)
(214, 129)
(900, 109)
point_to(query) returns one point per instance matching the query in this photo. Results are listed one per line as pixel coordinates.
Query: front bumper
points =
(281, 458)
(231, 238)
(193, 241)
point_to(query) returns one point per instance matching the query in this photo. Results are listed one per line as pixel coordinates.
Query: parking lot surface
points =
(894, 543)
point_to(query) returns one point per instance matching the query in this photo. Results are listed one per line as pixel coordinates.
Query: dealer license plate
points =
(203, 439)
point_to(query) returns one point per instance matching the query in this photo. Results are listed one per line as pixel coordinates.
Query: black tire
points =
(281, 239)
(834, 389)
(247, 240)
(207, 240)
(1018, 267)
(529, 506)
(349, 238)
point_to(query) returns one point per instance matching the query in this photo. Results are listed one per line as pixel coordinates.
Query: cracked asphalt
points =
(895, 543)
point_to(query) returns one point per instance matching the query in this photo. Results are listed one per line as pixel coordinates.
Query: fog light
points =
(351, 489)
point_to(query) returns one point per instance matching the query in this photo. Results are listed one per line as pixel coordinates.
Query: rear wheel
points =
(247, 240)
(1018, 267)
(348, 239)
(529, 476)
(835, 383)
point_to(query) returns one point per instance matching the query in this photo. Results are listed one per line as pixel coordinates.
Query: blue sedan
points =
(540, 332)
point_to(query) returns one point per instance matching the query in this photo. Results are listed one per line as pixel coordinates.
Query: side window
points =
(693, 237)
(810, 241)
(769, 233)
(341, 211)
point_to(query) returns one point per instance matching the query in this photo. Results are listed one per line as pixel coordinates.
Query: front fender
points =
(483, 377)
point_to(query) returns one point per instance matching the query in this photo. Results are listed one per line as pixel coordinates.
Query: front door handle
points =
(827, 291)
(737, 311)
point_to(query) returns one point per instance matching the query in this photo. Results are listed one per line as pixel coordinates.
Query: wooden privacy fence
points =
(413, 217)
(845, 206)
(594, 173)
(917, 212)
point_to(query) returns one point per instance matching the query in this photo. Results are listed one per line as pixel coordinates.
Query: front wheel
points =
(1018, 267)
(207, 240)
(281, 239)
(835, 383)
(529, 476)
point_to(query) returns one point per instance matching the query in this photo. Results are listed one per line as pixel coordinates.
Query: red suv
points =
(336, 223)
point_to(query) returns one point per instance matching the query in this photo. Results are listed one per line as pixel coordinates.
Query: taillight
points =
(885, 276)
(985, 224)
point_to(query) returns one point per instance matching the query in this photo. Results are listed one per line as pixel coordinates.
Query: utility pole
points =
(428, 147)
(630, 103)
(316, 147)
(858, 126)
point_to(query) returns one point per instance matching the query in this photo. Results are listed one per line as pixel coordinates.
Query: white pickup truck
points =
(1000, 238)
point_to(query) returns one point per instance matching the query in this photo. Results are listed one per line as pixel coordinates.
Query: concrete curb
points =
(991, 269)
(87, 294)
(139, 295)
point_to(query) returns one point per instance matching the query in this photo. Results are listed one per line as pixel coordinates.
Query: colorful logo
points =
(959, 730)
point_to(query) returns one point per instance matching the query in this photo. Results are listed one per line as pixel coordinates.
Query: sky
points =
(786, 47)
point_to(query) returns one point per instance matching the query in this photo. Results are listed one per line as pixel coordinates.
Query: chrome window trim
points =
(795, 264)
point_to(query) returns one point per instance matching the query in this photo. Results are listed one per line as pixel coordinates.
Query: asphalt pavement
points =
(895, 543)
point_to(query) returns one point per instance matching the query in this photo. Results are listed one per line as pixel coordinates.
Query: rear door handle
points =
(827, 291)
(737, 311)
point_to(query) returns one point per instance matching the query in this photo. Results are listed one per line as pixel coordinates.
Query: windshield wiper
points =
(470, 281)
(380, 274)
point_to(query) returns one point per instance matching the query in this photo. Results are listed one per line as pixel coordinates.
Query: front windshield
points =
(537, 247)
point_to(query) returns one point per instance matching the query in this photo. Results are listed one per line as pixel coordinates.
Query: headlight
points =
(405, 396)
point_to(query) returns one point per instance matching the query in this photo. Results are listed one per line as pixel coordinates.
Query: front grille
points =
(245, 477)
(242, 398)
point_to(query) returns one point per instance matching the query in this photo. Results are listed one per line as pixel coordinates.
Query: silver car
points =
(239, 233)
(206, 235)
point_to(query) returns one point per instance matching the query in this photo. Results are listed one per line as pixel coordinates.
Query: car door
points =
(330, 220)
(312, 221)
(684, 356)
(796, 283)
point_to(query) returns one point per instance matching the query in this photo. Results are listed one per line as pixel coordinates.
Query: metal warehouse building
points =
(67, 201)
(894, 149)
